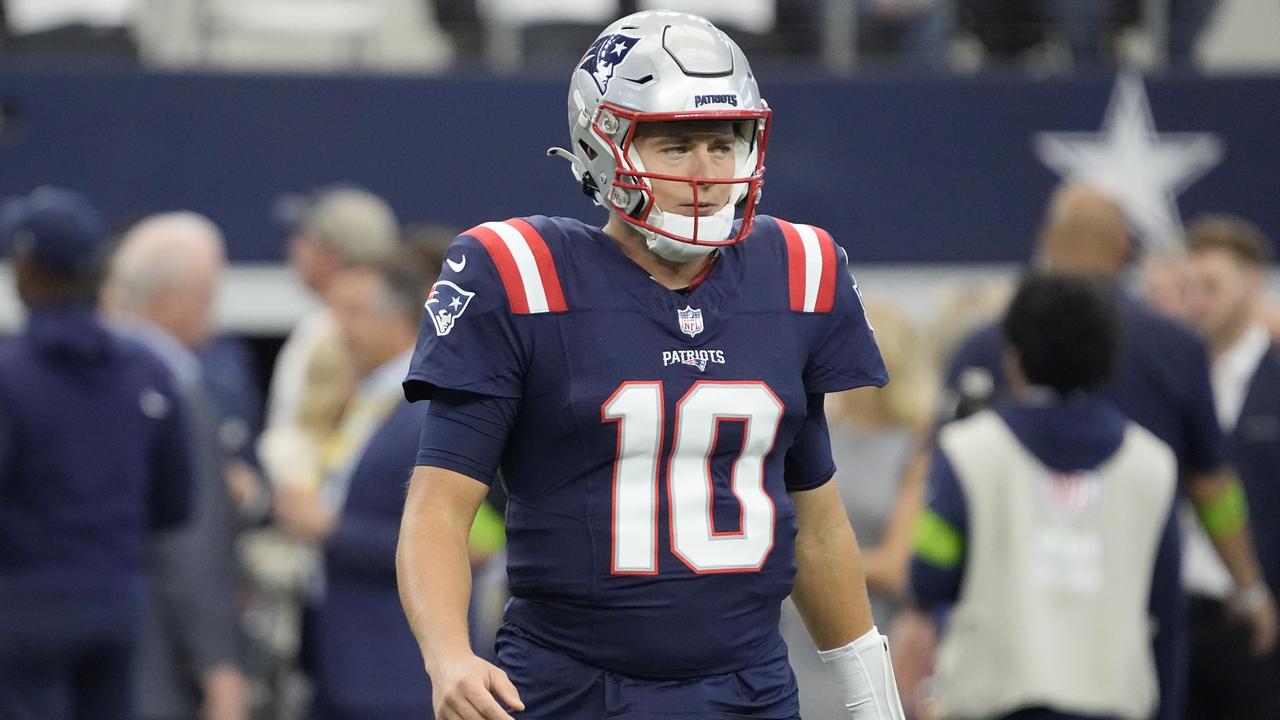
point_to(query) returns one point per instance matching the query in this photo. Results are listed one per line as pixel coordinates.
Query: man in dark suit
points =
(359, 650)
(93, 458)
(1229, 259)
(160, 291)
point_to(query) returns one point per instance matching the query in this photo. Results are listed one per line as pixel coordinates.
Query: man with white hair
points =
(160, 292)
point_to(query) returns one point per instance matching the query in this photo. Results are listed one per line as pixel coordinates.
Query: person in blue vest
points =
(1229, 257)
(1048, 532)
(358, 649)
(93, 458)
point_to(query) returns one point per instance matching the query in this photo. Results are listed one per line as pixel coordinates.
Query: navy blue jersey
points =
(657, 433)
(1161, 381)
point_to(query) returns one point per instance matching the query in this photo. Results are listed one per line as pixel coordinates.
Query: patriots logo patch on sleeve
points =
(604, 56)
(445, 304)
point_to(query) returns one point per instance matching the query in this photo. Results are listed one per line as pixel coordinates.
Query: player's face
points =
(703, 149)
(1222, 294)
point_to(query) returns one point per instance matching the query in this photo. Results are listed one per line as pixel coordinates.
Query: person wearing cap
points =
(93, 459)
(340, 228)
(332, 229)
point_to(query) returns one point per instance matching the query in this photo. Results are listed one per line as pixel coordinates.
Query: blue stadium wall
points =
(900, 172)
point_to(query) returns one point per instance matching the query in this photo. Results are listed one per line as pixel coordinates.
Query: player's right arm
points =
(434, 576)
(470, 362)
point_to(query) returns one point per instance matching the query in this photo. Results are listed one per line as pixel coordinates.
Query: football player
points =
(652, 392)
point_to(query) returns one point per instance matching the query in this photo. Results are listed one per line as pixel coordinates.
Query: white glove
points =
(865, 676)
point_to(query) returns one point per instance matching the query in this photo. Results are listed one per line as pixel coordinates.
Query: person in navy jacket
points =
(1228, 262)
(358, 648)
(93, 458)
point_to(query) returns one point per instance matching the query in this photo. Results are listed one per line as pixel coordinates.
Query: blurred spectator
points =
(1088, 30)
(226, 364)
(873, 432)
(161, 289)
(960, 311)
(55, 29)
(339, 227)
(1229, 257)
(753, 16)
(359, 650)
(1007, 29)
(313, 379)
(93, 456)
(524, 34)
(1161, 382)
(1164, 278)
(384, 35)
(916, 33)
(1186, 21)
(1049, 526)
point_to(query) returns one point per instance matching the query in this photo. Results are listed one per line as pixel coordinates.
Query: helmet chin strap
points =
(716, 226)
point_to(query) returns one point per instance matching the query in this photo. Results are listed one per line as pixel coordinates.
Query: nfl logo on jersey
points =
(445, 305)
(690, 320)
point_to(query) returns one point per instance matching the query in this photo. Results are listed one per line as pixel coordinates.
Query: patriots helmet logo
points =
(604, 55)
(445, 304)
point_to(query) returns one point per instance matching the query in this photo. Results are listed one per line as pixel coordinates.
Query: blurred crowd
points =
(240, 551)
(166, 547)
(929, 36)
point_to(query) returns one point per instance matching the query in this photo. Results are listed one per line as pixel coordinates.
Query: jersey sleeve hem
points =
(842, 382)
(823, 479)
(454, 463)
(422, 384)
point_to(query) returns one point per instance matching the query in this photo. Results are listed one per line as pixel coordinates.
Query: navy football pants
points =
(54, 677)
(556, 687)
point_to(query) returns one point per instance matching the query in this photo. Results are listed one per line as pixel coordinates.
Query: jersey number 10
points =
(637, 408)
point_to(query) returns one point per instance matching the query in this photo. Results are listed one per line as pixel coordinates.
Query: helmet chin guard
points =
(661, 66)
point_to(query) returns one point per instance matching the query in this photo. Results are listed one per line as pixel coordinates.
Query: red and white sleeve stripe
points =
(525, 265)
(811, 267)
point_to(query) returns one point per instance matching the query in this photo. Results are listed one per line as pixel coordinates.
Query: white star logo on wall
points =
(1144, 170)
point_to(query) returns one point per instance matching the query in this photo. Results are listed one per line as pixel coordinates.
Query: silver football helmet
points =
(660, 66)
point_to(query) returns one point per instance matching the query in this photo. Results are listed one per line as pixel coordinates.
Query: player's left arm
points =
(830, 589)
(831, 595)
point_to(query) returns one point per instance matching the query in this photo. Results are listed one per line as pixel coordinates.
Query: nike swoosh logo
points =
(457, 266)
